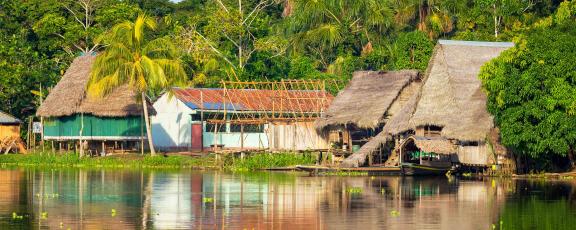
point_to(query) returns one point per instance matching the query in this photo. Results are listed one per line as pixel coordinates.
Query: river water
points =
(187, 199)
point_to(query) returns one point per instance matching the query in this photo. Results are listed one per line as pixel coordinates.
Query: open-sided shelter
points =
(195, 119)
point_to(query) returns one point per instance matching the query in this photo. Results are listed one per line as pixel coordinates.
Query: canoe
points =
(411, 169)
(370, 171)
(408, 169)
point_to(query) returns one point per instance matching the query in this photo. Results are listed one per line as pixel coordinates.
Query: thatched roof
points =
(435, 145)
(7, 119)
(69, 95)
(451, 96)
(366, 99)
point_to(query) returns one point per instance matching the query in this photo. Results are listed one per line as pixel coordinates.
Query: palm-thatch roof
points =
(434, 145)
(451, 96)
(364, 102)
(7, 119)
(68, 97)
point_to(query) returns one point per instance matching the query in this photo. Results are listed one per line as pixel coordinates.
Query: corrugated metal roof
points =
(254, 100)
(8, 119)
(475, 43)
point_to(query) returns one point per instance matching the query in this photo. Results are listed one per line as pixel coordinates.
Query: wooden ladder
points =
(392, 159)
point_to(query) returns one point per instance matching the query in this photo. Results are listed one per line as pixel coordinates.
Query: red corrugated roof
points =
(255, 100)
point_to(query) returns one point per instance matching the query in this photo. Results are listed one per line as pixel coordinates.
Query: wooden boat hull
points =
(370, 171)
(406, 169)
(422, 170)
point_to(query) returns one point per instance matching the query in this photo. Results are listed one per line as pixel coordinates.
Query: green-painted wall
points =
(93, 126)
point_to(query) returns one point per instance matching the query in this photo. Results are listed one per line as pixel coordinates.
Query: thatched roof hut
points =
(366, 100)
(6, 119)
(68, 97)
(451, 96)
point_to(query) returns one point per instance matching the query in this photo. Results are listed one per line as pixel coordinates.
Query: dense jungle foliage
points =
(310, 39)
(248, 39)
(532, 88)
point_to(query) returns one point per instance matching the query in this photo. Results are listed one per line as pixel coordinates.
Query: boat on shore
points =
(425, 168)
(412, 169)
(369, 171)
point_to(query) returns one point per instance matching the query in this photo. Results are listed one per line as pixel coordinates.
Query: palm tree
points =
(323, 26)
(146, 66)
(430, 16)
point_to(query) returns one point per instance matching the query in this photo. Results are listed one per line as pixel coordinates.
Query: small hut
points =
(9, 126)
(109, 123)
(451, 107)
(360, 111)
(10, 134)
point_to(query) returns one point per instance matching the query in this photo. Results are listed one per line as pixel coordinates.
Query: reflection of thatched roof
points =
(366, 99)
(69, 95)
(7, 119)
(451, 96)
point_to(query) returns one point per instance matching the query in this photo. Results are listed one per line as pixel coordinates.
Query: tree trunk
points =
(147, 123)
(571, 158)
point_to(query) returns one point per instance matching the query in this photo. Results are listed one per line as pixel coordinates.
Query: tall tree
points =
(532, 89)
(323, 28)
(501, 10)
(429, 16)
(147, 66)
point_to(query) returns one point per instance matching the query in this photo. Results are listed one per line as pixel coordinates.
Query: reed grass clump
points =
(268, 160)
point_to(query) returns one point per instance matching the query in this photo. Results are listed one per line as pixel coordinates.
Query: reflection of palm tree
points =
(147, 205)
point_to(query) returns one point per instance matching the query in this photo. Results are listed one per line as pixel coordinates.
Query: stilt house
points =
(360, 111)
(448, 114)
(112, 122)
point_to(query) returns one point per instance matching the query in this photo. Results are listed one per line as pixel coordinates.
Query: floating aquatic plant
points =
(354, 190)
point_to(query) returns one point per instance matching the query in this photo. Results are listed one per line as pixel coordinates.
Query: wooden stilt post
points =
(242, 138)
(202, 122)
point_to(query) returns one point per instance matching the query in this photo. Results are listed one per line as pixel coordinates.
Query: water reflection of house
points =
(10, 190)
(85, 199)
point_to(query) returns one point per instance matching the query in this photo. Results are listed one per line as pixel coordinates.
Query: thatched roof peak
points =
(365, 100)
(69, 95)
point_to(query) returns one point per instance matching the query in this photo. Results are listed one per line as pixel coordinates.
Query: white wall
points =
(171, 126)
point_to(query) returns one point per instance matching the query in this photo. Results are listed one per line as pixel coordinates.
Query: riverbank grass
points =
(71, 160)
(252, 161)
(268, 161)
